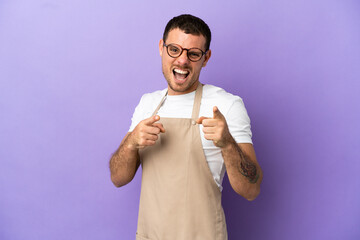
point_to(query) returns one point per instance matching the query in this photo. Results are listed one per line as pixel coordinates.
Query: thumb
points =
(217, 113)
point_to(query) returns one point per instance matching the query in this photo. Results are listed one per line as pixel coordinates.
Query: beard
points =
(189, 83)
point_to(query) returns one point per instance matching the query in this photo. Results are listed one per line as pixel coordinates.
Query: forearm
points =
(244, 174)
(124, 162)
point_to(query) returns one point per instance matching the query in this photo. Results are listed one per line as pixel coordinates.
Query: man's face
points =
(182, 74)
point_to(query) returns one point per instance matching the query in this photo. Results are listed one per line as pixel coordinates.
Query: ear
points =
(161, 47)
(207, 57)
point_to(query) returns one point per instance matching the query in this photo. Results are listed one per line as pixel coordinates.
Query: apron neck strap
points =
(160, 104)
(196, 105)
(197, 101)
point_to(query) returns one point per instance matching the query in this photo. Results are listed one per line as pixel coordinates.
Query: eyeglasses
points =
(194, 54)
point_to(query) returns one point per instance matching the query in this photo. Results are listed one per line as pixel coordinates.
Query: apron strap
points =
(196, 105)
(160, 104)
(197, 101)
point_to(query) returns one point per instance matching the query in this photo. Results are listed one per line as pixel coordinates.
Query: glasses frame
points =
(182, 49)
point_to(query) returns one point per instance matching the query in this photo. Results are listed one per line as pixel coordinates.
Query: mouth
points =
(180, 75)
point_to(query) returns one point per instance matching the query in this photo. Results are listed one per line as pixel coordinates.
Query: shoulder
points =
(146, 106)
(224, 100)
(213, 92)
(149, 101)
(153, 96)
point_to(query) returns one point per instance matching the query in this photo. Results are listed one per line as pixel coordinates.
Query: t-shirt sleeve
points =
(138, 114)
(239, 122)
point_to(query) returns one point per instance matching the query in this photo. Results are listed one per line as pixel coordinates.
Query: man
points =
(185, 137)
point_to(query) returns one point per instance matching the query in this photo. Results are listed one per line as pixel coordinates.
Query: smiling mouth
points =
(180, 75)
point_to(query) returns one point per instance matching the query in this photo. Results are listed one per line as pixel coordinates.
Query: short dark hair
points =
(190, 25)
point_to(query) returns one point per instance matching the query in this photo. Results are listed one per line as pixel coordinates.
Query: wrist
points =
(229, 144)
(131, 147)
(130, 144)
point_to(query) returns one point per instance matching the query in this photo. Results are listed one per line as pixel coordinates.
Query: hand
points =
(216, 129)
(146, 133)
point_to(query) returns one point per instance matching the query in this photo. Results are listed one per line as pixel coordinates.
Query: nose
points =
(183, 58)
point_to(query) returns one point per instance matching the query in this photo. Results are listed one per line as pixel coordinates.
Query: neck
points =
(193, 88)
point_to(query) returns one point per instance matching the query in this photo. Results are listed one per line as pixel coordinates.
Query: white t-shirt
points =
(180, 106)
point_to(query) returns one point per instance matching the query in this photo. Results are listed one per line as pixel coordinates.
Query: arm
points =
(125, 161)
(244, 172)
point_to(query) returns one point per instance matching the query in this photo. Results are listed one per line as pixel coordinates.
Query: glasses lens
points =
(173, 50)
(195, 54)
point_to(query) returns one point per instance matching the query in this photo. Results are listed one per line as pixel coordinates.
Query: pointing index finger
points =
(200, 119)
(152, 120)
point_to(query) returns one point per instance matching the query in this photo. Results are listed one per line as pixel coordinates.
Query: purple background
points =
(72, 72)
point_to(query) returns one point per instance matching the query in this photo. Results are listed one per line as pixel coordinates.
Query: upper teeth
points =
(180, 71)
